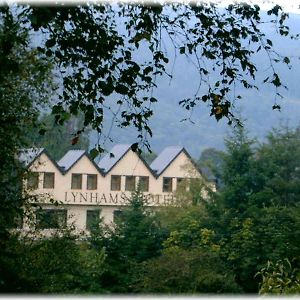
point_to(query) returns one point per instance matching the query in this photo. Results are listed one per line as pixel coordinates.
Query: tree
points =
(278, 161)
(57, 139)
(56, 264)
(254, 226)
(238, 174)
(97, 50)
(149, 157)
(25, 82)
(179, 271)
(279, 278)
(136, 237)
(211, 161)
(266, 234)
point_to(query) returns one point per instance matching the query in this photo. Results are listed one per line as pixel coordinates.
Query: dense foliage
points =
(25, 82)
(241, 239)
(232, 241)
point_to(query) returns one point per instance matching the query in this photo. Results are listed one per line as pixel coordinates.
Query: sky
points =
(291, 6)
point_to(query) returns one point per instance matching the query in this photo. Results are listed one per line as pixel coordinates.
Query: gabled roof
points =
(30, 155)
(164, 159)
(72, 157)
(115, 155)
(167, 156)
(111, 158)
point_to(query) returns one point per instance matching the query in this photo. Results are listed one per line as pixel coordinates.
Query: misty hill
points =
(255, 107)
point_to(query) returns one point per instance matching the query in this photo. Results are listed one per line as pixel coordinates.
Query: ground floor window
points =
(16, 222)
(117, 215)
(92, 219)
(51, 218)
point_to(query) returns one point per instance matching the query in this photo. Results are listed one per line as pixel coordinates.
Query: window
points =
(130, 183)
(91, 183)
(48, 181)
(115, 183)
(117, 215)
(33, 180)
(167, 184)
(76, 182)
(144, 183)
(92, 219)
(51, 218)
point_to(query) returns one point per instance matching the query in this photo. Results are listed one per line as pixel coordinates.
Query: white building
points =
(85, 190)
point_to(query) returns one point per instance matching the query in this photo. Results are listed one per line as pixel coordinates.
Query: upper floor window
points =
(48, 180)
(91, 183)
(130, 183)
(33, 180)
(144, 183)
(115, 183)
(167, 184)
(51, 218)
(76, 183)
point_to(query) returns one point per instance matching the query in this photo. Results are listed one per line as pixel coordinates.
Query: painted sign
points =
(117, 199)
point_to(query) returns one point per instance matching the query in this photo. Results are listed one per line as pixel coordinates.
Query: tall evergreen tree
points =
(237, 170)
(136, 237)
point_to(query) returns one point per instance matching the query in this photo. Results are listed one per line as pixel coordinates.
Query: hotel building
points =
(85, 190)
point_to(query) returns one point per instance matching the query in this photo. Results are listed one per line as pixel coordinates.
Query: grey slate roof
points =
(70, 158)
(27, 156)
(111, 158)
(163, 160)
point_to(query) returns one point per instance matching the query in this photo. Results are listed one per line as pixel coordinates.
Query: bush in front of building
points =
(58, 264)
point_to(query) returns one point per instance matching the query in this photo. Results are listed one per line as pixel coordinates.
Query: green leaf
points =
(50, 43)
(94, 153)
(121, 89)
(276, 81)
(42, 131)
(286, 60)
(269, 42)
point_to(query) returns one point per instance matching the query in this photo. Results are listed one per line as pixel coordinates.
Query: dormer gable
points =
(122, 154)
(175, 157)
(74, 157)
(37, 158)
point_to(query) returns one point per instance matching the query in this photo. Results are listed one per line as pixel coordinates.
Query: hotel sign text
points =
(114, 198)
